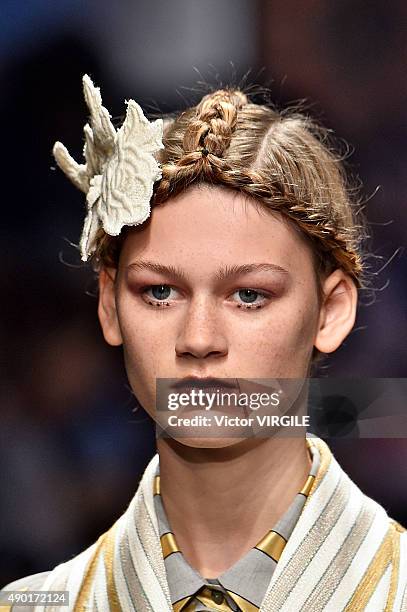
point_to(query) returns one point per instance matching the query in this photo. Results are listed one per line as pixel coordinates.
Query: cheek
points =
(145, 333)
(296, 339)
(141, 373)
(147, 350)
(281, 340)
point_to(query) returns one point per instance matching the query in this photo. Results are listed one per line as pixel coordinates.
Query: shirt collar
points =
(245, 583)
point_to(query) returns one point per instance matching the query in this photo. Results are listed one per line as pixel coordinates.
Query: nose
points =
(202, 334)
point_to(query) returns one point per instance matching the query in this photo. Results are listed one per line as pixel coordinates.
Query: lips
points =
(220, 394)
(207, 384)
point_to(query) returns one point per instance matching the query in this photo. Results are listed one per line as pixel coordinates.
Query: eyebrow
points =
(224, 273)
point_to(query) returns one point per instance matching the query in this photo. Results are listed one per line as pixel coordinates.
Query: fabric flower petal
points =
(120, 170)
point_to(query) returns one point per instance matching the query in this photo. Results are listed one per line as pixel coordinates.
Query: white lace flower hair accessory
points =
(120, 169)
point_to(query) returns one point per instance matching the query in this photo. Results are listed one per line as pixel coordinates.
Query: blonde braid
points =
(216, 116)
(282, 160)
(204, 143)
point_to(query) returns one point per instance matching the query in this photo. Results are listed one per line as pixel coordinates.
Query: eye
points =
(250, 298)
(159, 295)
(163, 295)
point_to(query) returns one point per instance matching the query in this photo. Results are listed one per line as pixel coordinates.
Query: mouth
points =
(206, 384)
(206, 393)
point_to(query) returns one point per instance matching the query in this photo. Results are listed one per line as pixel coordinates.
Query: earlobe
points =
(107, 307)
(338, 311)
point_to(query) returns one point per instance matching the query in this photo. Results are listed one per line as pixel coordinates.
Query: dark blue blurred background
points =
(72, 442)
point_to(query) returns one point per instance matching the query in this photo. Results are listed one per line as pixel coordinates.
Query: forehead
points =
(208, 224)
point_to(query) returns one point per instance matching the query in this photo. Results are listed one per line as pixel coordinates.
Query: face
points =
(214, 286)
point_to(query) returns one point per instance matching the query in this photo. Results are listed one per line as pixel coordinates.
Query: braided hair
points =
(281, 159)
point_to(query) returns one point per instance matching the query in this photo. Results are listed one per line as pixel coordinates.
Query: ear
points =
(338, 311)
(107, 307)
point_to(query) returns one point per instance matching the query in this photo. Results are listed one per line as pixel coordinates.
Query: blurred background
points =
(72, 442)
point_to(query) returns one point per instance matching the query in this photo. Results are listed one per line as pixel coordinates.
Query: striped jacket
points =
(344, 554)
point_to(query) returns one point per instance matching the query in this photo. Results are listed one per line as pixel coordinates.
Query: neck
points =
(220, 502)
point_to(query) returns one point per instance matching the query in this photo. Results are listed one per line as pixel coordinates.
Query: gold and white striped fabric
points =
(345, 554)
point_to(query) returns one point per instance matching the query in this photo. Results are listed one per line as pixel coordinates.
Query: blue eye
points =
(161, 292)
(250, 298)
(164, 295)
(158, 295)
(248, 295)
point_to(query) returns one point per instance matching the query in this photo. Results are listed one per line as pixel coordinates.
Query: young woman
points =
(246, 267)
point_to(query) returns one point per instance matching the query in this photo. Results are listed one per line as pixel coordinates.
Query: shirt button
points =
(217, 597)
